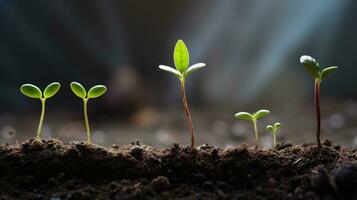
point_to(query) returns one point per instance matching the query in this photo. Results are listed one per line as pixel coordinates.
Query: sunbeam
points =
(257, 42)
(31, 36)
(73, 22)
(117, 53)
(287, 37)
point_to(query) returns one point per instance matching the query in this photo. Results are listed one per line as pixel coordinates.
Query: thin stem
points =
(318, 112)
(86, 121)
(256, 132)
(187, 112)
(43, 104)
(274, 142)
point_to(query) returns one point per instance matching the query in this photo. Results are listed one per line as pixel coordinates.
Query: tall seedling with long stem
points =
(81, 92)
(33, 91)
(182, 60)
(313, 67)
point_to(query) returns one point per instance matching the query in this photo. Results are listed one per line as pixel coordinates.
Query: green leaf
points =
(31, 91)
(261, 113)
(327, 71)
(181, 56)
(311, 66)
(243, 115)
(269, 128)
(78, 90)
(194, 68)
(97, 91)
(51, 90)
(277, 125)
(170, 70)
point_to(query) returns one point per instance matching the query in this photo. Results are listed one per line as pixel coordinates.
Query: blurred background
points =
(252, 51)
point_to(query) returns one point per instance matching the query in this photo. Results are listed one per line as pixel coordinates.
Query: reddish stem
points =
(187, 113)
(318, 112)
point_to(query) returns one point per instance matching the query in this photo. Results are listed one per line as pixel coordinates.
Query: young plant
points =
(182, 60)
(254, 118)
(274, 128)
(33, 91)
(313, 67)
(94, 92)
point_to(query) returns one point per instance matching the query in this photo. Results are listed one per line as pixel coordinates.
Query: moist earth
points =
(55, 170)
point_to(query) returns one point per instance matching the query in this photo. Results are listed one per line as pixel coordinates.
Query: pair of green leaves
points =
(94, 92)
(313, 67)
(182, 61)
(33, 91)
(273, 128)
(253, 117)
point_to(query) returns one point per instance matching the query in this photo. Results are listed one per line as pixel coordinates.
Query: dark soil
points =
(54, 170)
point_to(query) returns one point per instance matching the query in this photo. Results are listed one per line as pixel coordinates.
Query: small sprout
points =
(313, 67)
(182, 61)
(274, 129)
(253, 117)
(33, 91)
(94, 92)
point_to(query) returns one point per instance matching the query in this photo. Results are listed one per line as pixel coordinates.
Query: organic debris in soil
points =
(54, 170)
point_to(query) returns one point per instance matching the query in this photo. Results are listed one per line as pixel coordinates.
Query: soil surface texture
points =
(55, 170)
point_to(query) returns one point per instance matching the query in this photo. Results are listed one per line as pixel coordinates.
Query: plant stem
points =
(318, 114)
(43, 104)
(187, 112)
(255, 132)
(274, 142)
(85, 101)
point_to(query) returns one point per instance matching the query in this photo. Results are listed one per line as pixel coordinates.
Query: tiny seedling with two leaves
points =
(253, 118)
(94, 92)
(33, 91)
(182, 71)
(274, 129)
(313, 67)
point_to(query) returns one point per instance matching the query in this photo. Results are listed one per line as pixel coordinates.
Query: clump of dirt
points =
(55, 170)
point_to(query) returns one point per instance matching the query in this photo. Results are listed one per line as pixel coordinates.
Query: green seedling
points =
(313, 67)
(254, 118)
(94, 92)
(33, 91)
(274, 128)
(182, 60)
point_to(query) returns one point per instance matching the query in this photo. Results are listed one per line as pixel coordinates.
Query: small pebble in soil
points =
(137, 143)
(281, 146)
(51, 182)
(175, 145)
(215, 153)
(205, 147)
(175, 148)
(160, 183)
(137, 152)
(337, 147)
(327, 143)
(208, 185)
